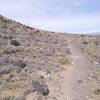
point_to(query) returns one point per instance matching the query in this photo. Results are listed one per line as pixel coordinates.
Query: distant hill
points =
(94, 33)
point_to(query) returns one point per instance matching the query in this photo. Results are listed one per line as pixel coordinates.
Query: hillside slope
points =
(42, 65)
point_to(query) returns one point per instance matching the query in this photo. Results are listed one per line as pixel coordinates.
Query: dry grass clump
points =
(12, 89)
(65, 61)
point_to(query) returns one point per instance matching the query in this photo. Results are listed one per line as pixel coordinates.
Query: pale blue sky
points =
(78, 16)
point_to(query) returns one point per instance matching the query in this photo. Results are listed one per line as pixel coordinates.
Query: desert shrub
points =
(12, 89)
(3, 19)
(65, 61)
(20, 64)
(38, 31)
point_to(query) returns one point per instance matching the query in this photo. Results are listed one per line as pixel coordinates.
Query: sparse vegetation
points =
(65, 61)
(28, 54)
(12, 89)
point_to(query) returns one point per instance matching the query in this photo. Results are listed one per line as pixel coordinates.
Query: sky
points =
(71, 16)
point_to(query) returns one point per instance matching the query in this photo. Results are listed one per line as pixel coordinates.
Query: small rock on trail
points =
(15, 43)
(40, 88)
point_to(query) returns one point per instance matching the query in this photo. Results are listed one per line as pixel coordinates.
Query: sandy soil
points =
(75, 80)
(72, 83)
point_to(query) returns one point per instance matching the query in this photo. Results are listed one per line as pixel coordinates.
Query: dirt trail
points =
(75, 81)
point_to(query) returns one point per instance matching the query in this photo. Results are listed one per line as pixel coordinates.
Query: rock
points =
(3, 61)
(7, 77)
(15, 43)
(5, 98)
(20, 64)
(54, 98)
(40, 88)
(97, 92)
(19, 98)
(97, 43)
(5, 70)
(45, 90)
(85, 42)
(80, 81)
(68, 51)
